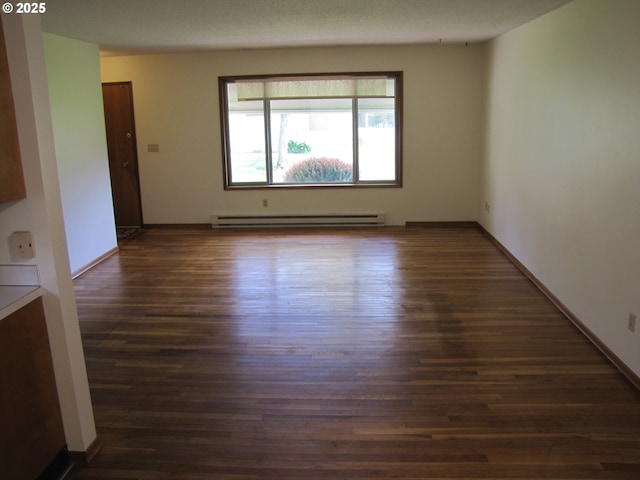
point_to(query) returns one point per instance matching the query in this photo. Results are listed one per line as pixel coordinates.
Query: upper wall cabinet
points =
(11, 177)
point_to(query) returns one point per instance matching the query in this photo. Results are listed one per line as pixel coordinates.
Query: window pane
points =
(248, 162)
(376, 139)
(305, 132)
(312, 140)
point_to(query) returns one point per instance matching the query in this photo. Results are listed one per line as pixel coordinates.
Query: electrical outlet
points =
(487, 207)
(21, 246)
(265, 203)
(631, 324)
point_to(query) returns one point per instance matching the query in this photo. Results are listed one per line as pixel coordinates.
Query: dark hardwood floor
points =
(406, 353)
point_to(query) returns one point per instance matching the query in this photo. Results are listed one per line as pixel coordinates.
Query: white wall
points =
(176, 106)
(41, 213)
(73, 70)
(562, 164)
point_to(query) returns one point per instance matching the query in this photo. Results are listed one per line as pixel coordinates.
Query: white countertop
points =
(19, 285)
(13, 298)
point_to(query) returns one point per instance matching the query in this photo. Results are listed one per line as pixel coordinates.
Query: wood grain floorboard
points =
(342, 354)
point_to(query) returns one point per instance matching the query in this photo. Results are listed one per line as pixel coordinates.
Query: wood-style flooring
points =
(295, 354)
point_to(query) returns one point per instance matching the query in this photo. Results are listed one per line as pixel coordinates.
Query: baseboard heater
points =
(341, 220)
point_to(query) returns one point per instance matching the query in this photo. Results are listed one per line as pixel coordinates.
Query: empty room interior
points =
(298, 239)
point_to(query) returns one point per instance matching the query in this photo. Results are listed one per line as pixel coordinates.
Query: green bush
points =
(319, 170)
(297, 147)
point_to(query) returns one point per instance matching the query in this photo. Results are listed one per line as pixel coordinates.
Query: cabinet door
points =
(31, 431)
(11, 178)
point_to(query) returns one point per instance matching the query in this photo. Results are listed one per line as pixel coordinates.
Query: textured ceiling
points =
(150, 26)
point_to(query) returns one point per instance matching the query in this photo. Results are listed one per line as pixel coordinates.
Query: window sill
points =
(314, 186)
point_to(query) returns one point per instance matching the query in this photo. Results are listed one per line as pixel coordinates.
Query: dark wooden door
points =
(123, 157)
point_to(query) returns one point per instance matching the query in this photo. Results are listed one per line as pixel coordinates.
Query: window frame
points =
(223, 81)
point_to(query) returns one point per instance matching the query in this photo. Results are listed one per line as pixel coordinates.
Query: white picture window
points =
(312, 130)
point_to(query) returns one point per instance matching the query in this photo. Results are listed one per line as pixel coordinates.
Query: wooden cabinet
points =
(11, 178)
(31, 433)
